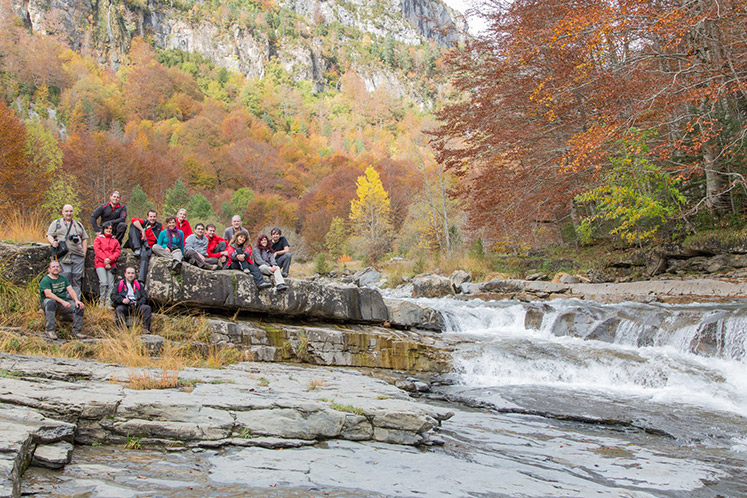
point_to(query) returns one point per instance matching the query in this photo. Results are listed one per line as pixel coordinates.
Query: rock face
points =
(48, 400)
(348, 346)
(232, 290)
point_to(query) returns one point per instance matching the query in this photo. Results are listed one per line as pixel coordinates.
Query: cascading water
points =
(687, 354)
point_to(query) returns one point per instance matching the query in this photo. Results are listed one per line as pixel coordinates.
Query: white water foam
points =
(650, 352)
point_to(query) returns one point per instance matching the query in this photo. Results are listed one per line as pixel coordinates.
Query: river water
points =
(568, 398)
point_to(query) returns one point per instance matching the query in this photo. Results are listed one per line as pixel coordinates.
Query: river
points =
(568, 398)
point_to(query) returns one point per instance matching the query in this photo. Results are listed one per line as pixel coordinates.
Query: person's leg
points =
(284, 262)
(120, 315)
(104, 289)
(193, 258)
(278, 278)
(145, 254)
(110, 286)
(78, 263)
(50, 314)
(134, 240)
(259, 280)
(160, 251)
(67, 272)
(77, 318)
(146, 313)
(119, 231)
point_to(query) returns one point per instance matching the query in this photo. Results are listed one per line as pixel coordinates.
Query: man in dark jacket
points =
(128, 298)
(112, 213)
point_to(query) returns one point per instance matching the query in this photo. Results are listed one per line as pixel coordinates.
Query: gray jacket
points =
(263, 257)
(198, 245)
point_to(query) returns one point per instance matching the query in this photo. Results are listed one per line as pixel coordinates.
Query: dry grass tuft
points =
(315, 382)
(20, 228)
(147, 378)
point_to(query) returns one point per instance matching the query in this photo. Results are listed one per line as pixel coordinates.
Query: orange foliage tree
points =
(552, 86)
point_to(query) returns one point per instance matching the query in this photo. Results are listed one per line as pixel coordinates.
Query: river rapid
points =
(568, 398)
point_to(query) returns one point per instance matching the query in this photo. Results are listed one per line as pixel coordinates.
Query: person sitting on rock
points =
(129, 298)
(182, 223)
(106, 251)
(74, 235)
(195, 249)
(143, 236)
(281, 249)
(57, 294)
(265, 259)
(234, 228)
(112, 213)
(240, 258)
(171, 244)
(216, 246)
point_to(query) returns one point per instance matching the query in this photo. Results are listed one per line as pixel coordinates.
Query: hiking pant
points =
(122, 311)
(253, 269)
(51, 307)
(106, 284)
(284, 262)
(73, 271)
(278, 276)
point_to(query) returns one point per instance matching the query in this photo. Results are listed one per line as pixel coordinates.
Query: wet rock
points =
(535, 315)
(431, 286)
(605, 330)
(53, 456)
(407, 314)
(459, 277)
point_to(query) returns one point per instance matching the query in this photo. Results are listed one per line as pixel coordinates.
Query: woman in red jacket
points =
(106, 251)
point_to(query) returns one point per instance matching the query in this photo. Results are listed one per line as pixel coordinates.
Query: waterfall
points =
(692, 354)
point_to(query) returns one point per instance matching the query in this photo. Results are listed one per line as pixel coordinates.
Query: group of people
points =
(60, 288)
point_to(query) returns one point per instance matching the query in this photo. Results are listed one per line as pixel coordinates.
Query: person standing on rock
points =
(182, 223)
(57, 294)
(265, 259)
(106, 251)
(112, 213)
(195, 249)
(171, 244)
(240, 258)
(70, 231)
(129, 298)
(142, 238)
(235, 228)
(281, 249)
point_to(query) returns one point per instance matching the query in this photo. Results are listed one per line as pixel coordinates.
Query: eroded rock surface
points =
(49, 400)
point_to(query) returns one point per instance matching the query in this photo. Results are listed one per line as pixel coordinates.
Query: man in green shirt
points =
(53, 291)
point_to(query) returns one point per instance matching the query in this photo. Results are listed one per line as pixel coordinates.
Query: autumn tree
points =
(552, 86)
(15, 189)
(370, 213)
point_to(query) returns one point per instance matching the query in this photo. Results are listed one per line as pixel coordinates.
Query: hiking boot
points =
(79, 335)
(136, 252)
(281, 288)
(284, 274)
(51, 334)
(264, 285)
(210, 267)
(176, 266)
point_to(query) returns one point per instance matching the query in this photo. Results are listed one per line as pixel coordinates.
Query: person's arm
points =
(117, 251)
(51, 234)
(141, 297)
(84, 246)
(122, 218)
(95, 216)
(189, 243)
(74, 296)
(162, 239)
(51, 295)
(138, 223)
(117, 297)
(285, 249)
(181, 240)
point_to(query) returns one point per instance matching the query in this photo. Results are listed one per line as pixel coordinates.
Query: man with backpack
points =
(69, 244)
(129, 298)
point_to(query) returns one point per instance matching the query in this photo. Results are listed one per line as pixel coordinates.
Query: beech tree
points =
(370, 213)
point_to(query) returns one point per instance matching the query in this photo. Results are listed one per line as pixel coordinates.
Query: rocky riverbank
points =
(48, 405)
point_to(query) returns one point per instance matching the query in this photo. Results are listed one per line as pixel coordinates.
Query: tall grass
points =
(19, 228)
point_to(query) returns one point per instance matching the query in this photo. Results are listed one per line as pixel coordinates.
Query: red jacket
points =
(212, 243)
(105, 246)
(184, 227)
(232, 251)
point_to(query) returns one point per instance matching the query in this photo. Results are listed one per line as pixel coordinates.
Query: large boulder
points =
(459, 277)
(21, 263)
(234, 290)
(431, 286)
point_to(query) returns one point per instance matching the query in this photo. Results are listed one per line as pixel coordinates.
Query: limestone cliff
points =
(245, 36)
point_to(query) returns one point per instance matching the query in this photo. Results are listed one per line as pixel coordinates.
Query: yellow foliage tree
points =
(370, 213)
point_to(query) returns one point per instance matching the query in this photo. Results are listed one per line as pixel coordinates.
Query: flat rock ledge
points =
(667, 291)
(52, 401)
